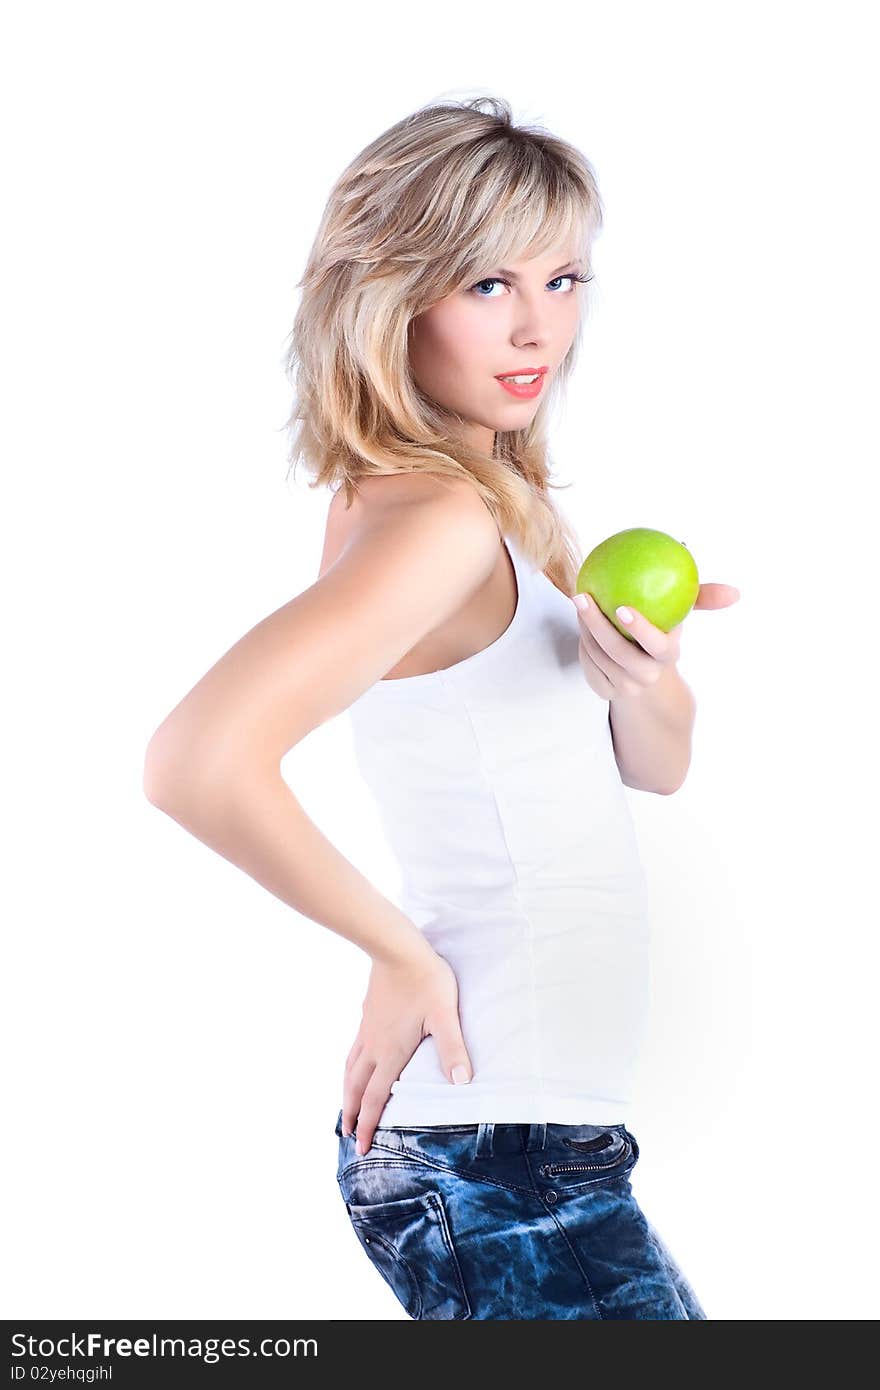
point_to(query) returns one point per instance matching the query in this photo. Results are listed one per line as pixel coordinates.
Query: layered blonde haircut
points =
(428, 208)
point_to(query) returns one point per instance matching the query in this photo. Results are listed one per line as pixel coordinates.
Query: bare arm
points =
(214, 764)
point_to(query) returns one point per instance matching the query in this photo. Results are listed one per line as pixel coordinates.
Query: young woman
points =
(484, 1157)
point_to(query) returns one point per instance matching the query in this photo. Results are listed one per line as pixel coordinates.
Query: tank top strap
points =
(523, 595)
(525, 577)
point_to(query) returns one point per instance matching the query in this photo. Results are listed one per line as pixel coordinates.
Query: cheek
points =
(432, 339)
(452, 349)
(471, 349)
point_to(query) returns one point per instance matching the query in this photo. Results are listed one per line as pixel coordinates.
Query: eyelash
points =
(498, 280)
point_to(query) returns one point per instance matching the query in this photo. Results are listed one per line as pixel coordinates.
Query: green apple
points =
(648, 570)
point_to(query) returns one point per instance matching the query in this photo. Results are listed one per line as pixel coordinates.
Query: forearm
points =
(257, 824)
(651, 733)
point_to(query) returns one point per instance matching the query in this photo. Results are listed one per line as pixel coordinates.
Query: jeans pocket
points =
(606, 1143)
(410, 1244)
(610, 1153)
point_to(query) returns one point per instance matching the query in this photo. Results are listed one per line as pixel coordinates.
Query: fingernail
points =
(582, 602)
(625, 615)
(359, 1148)
(460, 1074)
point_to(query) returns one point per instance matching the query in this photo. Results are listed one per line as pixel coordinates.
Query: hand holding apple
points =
(644, 567)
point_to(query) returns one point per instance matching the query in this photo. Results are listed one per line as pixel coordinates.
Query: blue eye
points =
(497, 280)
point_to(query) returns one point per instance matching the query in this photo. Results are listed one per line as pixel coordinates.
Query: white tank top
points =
(498, 790)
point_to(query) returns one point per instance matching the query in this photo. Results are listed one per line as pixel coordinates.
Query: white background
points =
(175, 1035)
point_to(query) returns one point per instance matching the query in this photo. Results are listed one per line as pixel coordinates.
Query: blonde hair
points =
(426, 209)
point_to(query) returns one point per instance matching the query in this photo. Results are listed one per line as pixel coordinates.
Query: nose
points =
(531, 321)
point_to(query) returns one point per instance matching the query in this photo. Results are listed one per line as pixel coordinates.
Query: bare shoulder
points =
(404, 489)
(404, 569)
(406, 566)
(449, 497)
(379, 500)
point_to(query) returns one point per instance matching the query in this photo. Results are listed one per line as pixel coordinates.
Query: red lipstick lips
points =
(524, 390)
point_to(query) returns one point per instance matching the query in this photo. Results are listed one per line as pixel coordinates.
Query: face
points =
(521, 318)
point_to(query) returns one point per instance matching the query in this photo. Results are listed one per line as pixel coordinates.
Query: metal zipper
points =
(550, 1169)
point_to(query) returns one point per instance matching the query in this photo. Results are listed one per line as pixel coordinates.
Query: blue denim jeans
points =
(510, 1221)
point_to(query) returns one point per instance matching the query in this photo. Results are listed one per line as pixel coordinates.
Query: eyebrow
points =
(568, 265)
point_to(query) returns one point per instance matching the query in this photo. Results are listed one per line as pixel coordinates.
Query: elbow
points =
(156, 779)
(184, 771)
(637, 786)
(669, 791)
(155, 792)
(164, 769)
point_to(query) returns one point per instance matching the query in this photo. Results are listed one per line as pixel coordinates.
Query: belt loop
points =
(485, 1135)
(537, 1136)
